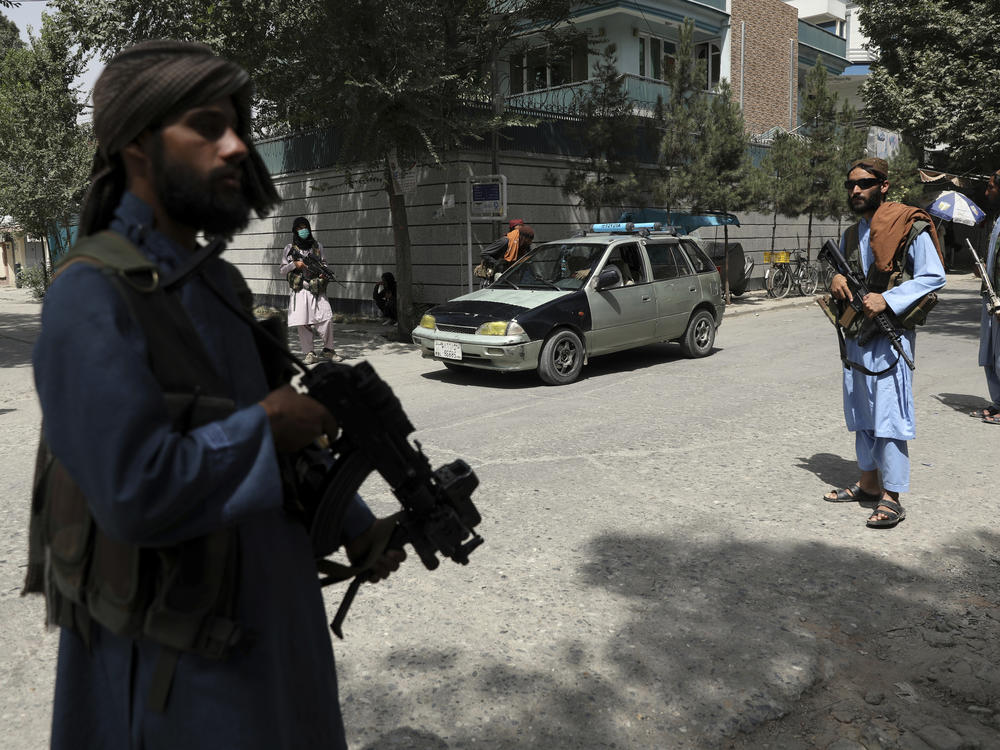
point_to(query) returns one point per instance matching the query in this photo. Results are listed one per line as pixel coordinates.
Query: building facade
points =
(762, 47)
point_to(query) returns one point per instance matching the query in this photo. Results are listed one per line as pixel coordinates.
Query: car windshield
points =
(555, 265)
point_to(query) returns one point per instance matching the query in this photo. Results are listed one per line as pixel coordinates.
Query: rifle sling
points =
(850, 365)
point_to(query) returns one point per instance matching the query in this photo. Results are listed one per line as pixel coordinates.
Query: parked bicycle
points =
(788, 268)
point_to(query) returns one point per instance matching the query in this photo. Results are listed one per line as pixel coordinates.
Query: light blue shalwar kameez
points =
(989, 328)
(146, 484)
(879, 409)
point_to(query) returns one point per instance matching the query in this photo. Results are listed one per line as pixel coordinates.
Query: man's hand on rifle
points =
(873, 304)
(300, 265)
(361, 548)
(296, 419)
(840, 289)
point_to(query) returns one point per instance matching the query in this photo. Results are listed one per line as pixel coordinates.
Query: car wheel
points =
(561, 358)
(699, 336)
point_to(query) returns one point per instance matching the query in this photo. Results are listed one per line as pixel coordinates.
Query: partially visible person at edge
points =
(172, 125)
(308, 308)
(878, 407)
(384, 295)
(989, 325)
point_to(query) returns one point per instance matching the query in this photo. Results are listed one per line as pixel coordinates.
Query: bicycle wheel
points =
(807, 279)
(781, 281)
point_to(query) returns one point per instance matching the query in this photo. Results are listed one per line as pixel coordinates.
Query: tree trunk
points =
(809, 235)
(405, 318)
(774, 229)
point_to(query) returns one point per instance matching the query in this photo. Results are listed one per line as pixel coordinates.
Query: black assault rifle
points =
(438, 515)
(884, 322)
(988, 292)
(315, 267)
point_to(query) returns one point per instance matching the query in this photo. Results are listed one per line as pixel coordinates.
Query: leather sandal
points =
(992, 419)
(989, 411)
(851, 494)
(891, 509)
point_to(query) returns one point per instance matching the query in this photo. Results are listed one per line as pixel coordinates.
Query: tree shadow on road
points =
(18, 332)
(954, 314)
(693, 642)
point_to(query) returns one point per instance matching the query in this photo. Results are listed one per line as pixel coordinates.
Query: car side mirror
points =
(609, 277)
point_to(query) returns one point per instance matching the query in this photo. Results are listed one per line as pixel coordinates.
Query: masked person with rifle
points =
(308, 306)
(893, 249)
(186, 591)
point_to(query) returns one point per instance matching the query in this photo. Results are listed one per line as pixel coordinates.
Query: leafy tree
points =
(10, 36)
(609, 130)
(831, 143)
(45, 154)
(904, 181)
(935, 79)
(395, 80)
(720, 177)
(679, 119)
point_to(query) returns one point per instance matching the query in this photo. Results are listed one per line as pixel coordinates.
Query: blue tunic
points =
(105, 419)
(883, 405)
(989, 327)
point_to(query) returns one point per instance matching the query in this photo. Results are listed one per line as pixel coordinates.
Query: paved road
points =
(658, 570)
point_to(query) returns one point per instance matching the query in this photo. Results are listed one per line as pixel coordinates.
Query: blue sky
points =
(30, 14)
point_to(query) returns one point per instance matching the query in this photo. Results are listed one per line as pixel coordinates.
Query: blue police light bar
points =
(625, 227)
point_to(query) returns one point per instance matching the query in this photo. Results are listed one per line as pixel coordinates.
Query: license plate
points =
(447, 350)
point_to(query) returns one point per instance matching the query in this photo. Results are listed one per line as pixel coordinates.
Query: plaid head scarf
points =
(141, 89)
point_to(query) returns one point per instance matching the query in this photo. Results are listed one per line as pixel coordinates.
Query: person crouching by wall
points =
(308, 307)
(384, 295)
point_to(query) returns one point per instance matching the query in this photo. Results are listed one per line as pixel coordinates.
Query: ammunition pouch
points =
(318, 286)
(297, 281)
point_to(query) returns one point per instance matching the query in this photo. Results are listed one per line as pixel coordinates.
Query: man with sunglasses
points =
(989, 325)
(894, 247)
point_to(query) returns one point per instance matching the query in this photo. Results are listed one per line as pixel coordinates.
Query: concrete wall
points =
(770, 26)
(353, 223)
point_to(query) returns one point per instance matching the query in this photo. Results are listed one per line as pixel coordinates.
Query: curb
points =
(760, 302)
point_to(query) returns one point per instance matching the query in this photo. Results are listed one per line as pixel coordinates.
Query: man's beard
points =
(204, 203)
(869, 204)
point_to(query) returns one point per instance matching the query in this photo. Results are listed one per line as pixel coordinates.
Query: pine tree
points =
(608, 127)
(720, 174)
(679, 119)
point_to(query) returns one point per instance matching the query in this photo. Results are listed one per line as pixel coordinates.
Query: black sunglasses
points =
(864, 184)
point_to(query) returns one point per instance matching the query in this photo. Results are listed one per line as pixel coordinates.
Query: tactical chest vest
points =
(182, 596)
(881, 281)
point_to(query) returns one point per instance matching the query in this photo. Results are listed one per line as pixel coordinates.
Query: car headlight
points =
(428, 322)
(500, 328)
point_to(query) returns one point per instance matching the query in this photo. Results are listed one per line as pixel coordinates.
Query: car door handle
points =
(646, 299)
(693, 289)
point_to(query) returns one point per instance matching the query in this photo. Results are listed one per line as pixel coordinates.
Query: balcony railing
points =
(642, 91)
(822, 41)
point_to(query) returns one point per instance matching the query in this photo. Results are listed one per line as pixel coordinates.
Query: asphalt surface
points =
(659, 570)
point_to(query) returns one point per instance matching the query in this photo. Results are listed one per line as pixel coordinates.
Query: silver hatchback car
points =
(614, 287)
